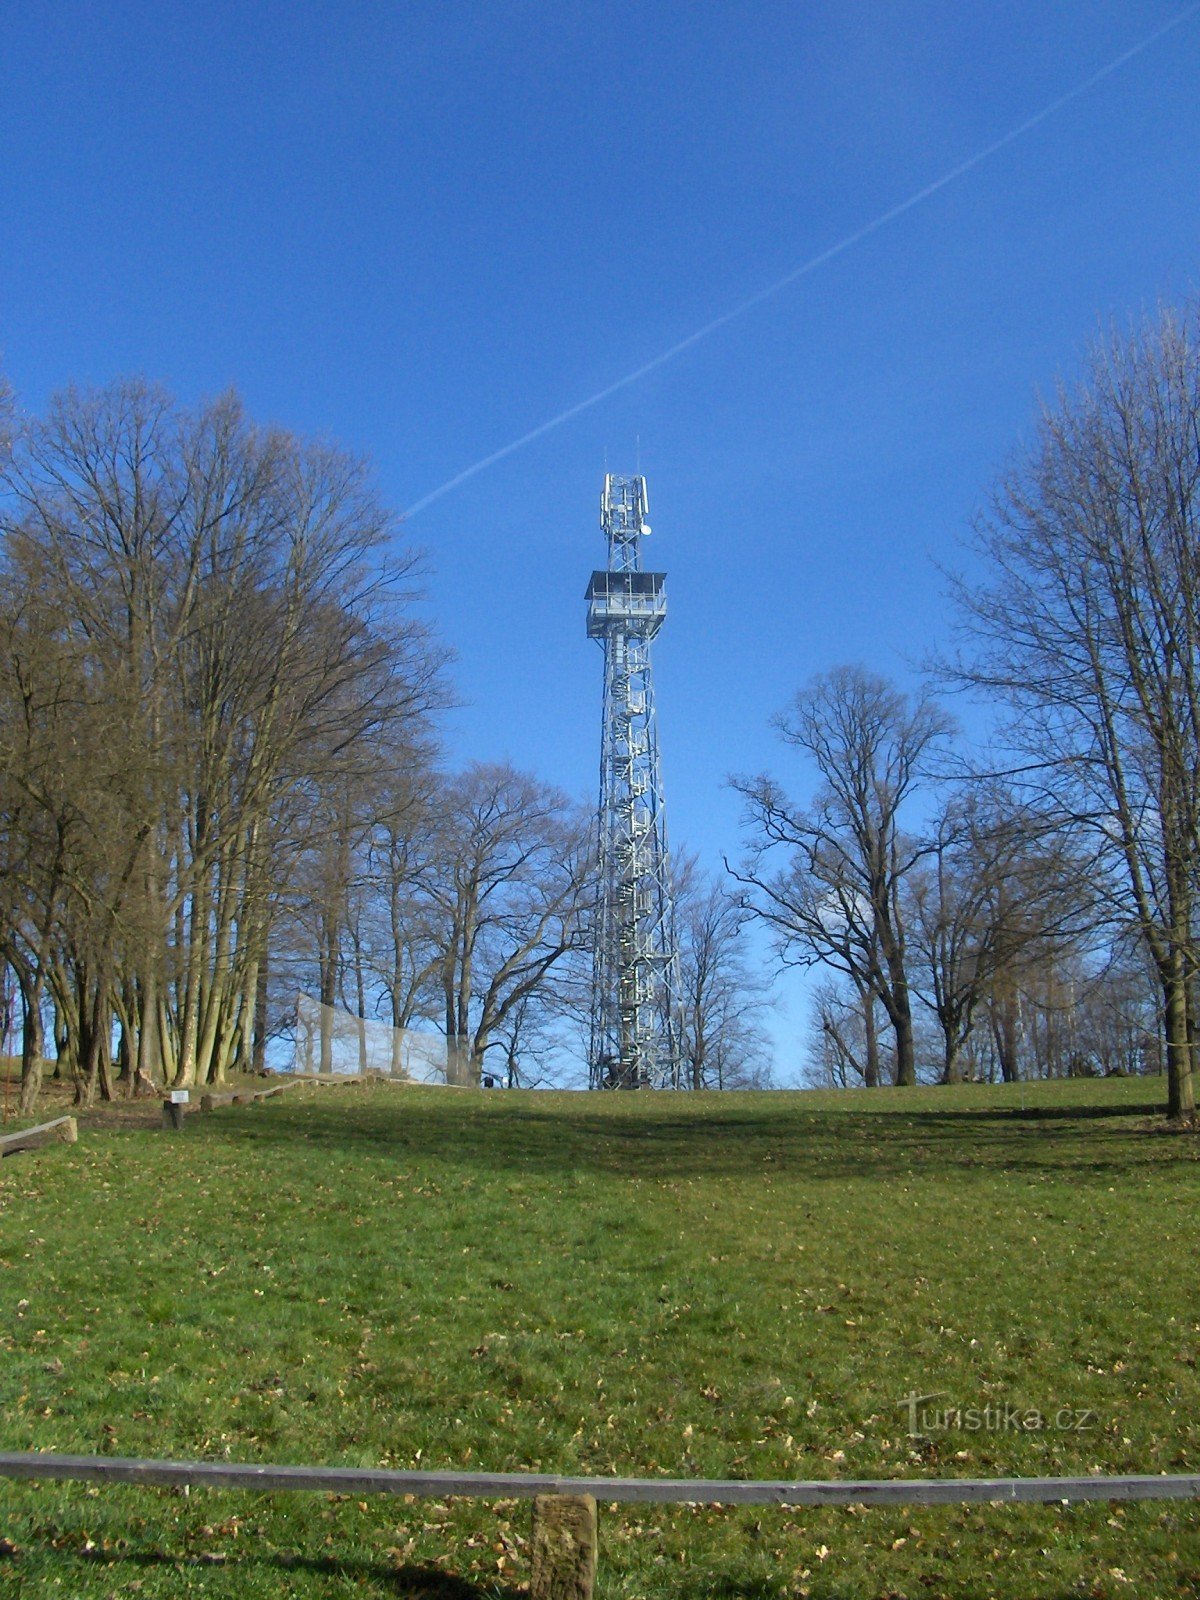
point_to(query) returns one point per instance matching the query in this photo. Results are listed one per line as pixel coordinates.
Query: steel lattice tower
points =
(636, 1032)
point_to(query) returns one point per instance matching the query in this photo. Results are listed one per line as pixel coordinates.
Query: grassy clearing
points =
(739, 1285)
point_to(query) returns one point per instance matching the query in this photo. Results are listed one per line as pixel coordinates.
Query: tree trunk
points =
(475, 1060)
(215, 1017)
(699, 1054)
(906, 1066)
(104, 1055)
(894, 993)
(124, 1060)
(149, 1056)
(1181, 1093)
(397, 1044)
(259, 1057)
(870, 1040)
(951, 1061)
(96, 1071)
(185, 1072)
(32, 1039)
(1005, 1018)
(360, 994)
(329, 977)
(168, 1054)
(66, 1024)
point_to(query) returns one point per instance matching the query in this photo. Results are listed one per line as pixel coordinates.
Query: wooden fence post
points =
(564, 1547)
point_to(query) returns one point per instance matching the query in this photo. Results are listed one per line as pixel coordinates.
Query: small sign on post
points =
(173, 1108)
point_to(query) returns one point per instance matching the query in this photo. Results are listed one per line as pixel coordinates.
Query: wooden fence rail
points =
(564, 1540)
(526, 1485)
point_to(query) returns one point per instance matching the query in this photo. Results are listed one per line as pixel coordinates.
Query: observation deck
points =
(633, 602)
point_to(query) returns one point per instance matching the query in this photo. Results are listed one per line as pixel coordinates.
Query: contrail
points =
(811, 265)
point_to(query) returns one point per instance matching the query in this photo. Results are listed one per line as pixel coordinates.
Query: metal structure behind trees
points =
(636, 1024)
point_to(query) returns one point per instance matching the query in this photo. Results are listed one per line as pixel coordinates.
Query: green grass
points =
(726, 1286)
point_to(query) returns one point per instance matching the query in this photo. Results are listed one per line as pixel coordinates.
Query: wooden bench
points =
(241, 1097)
(63, 1130)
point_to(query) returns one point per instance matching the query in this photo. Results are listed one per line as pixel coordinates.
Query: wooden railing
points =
(564, 1528)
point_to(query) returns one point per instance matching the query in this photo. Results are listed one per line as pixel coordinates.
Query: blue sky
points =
(426, 229)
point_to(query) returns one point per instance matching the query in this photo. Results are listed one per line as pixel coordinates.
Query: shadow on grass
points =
(514, 1136)
(258, 1575)
(1148, 1108)
(725, 1586)
(728, 1586)
(252, 1574)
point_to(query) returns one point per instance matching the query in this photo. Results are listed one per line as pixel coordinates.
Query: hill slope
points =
(738, 1285)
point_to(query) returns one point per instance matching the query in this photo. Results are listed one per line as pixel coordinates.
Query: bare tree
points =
(995, 890)
(7, 419)
(844, 1037)
(403, 844)
(71, 837)
(510, 887)
(723, 997)
(837, 899)
(1089, 628)
(530, 1047)
(360, 903)
(1120, 1030)
(222, 603)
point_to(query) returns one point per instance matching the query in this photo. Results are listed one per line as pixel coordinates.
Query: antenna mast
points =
(636, 1035)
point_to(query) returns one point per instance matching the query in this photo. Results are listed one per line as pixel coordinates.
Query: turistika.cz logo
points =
(926, 1416)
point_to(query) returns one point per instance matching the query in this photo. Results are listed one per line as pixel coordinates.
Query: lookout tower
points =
(636, 1033)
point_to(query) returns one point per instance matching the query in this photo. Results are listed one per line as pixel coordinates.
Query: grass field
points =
(727, 1286)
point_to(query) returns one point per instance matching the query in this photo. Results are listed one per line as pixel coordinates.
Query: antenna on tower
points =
(636, 1033)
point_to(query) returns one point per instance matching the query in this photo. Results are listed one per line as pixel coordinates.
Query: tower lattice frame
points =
(636, 1032)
